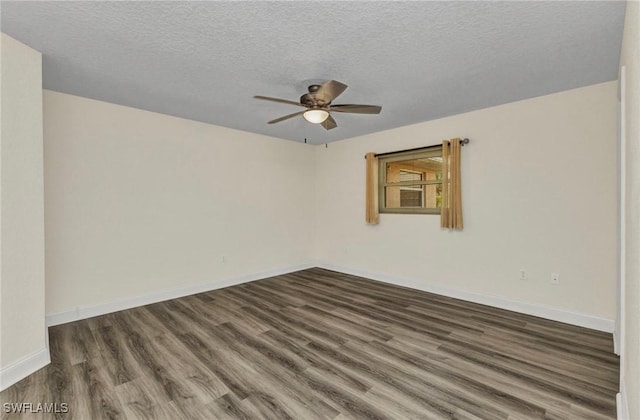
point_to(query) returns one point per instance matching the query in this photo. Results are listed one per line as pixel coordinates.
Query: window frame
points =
(426, 152)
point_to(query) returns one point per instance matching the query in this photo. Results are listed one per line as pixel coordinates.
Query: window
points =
(411, 181)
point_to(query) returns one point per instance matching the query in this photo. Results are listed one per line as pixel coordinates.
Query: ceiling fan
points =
(318, 105)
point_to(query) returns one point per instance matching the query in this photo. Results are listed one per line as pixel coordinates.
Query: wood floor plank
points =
(314, 360)
(231, 407)
(317, 344)
(103, 400)
(205, 385)
(136, 402)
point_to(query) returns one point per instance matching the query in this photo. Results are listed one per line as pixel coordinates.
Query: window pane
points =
(406, 175)
(414, 170)
(413, 196)
(410, 198)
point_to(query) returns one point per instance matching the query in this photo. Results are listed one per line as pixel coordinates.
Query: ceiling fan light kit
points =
(318, 105)
(315, 116)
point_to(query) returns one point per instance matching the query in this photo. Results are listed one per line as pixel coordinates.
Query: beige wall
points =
(631, 60)
(139, 202)
(539, 193)
(22, 329)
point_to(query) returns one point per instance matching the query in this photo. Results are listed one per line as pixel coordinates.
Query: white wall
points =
(139, 203)
(630, 58)
(23, 346)
(539, 193)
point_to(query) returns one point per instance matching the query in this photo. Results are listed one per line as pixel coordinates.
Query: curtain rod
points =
(462, 143)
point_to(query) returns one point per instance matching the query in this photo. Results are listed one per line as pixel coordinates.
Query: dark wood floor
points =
(319, 344)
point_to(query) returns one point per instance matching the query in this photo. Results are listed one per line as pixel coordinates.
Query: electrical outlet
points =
(555, 278)
(523, 274)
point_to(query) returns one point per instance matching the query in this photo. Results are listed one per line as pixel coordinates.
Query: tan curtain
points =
(372, 216)
(451, 212)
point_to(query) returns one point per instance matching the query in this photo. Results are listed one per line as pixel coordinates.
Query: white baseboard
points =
(23, 367)
(555, 314)
(89, 311)
(547, 312)
(622, 404)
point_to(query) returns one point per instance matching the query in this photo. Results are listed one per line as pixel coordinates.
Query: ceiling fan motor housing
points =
(311, 100)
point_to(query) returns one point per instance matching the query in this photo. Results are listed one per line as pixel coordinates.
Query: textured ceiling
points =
(419, 60)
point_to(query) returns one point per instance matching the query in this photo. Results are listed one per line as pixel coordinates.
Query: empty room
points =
(320, 210)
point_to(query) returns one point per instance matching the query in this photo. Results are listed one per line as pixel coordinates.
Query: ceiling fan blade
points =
(330, 90)
(286, 117)
(357, 109)
(284, 101)
(329, 123)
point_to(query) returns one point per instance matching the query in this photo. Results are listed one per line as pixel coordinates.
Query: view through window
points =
(411, 182)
